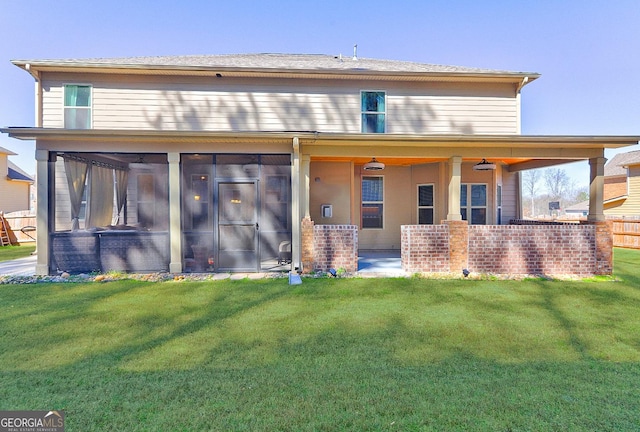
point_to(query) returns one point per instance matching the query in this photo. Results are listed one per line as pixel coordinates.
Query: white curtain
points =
(122, 177)
(100, 202)
(76, 177)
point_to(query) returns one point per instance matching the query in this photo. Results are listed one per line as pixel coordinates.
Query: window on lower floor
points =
(425, 205)
(372, 201)
(77, 106)
(499, 203)
(473, 203)
(373, 109)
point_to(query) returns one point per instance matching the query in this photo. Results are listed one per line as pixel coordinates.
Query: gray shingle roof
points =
(15, 173)
(617, 165)
(299, 62)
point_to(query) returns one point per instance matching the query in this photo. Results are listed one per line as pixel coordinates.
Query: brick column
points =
(604, 247)
(458, 245)
(307, 261)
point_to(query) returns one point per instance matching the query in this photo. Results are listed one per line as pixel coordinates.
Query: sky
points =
(587, 51)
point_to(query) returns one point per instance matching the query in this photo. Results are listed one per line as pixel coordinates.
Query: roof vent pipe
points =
(355, 52)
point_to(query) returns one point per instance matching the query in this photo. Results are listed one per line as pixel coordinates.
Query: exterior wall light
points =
(373, 165)
(484, 166)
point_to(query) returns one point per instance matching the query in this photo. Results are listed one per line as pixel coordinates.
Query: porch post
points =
(455, 173)
(596, 190)
(296, 239)
(175, 261)
(306, 161)
(43, 167)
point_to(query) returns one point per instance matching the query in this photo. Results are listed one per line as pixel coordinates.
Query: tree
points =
(530, 181)
(557, 182)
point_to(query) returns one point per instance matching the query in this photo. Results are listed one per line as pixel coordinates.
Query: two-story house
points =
(214, 162)
(622, 185)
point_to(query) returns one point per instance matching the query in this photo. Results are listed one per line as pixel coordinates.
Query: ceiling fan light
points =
(373, 165)
(484, 166)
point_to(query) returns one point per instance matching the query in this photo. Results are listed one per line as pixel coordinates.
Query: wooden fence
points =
(626, 233)
(21, 228)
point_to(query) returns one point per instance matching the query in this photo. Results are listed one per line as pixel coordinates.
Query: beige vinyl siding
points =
(235, 104)
(630, 206)
(14, 195)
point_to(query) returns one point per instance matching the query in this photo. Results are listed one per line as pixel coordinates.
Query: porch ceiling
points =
(396, 161)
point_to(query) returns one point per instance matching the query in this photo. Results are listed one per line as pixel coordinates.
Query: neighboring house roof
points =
(300, 63)
(617, 165)
(579, 207)
(17, 174)
(7, 152)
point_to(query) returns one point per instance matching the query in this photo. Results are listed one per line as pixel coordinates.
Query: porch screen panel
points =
(275, 211)
(100, 203)
(76, 172)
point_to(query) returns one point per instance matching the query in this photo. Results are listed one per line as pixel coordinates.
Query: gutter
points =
(38, 93)
(221, 71)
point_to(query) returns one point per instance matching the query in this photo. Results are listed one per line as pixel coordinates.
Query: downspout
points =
(296, 236)
(519, 207)
(524, 81)
(38, 94)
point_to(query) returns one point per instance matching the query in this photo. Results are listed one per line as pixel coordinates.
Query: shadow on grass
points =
(330, 354)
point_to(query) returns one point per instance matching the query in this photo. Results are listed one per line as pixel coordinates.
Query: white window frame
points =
(65, 106)
(363, 202)
(419, 207)
(470, 207)
(383, 113)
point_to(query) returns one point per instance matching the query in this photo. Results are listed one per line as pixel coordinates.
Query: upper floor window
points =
(374, 110)
(473, 203)
(425, 204)
(77, 106)
(372, 202)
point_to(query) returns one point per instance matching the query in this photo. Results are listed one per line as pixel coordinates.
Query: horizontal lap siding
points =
(631, 205)
(223, 104)
(439, 114)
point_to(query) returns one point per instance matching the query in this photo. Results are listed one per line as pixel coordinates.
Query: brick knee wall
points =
(425, 248)
(603, 247)
(572, 249)
(533, 249)
(335, 246)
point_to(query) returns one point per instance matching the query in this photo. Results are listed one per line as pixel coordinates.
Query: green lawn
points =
(13, 252)
(328, 355)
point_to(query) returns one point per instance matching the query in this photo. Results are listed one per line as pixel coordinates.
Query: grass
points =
(14, 252)
(330, 354)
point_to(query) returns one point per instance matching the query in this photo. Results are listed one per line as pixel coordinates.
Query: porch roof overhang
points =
(519, 152)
